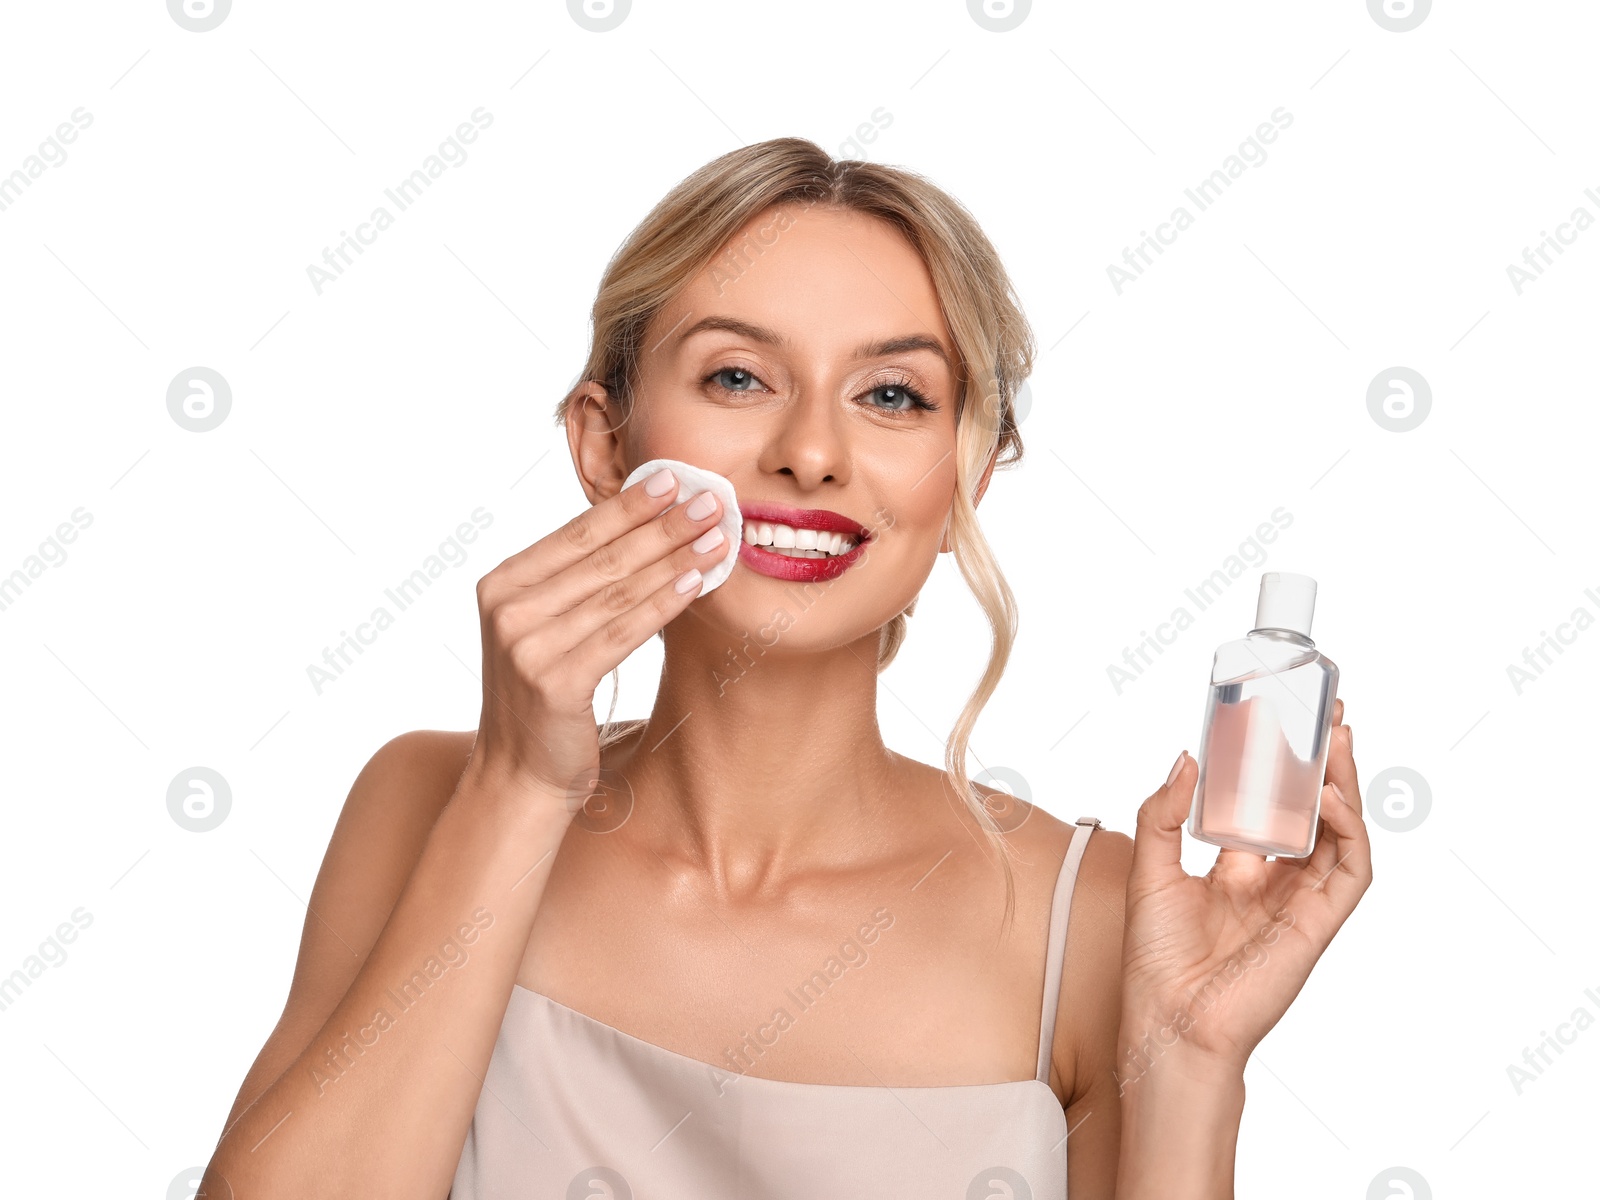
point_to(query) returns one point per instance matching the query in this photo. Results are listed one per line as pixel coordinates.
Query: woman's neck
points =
(760, 762)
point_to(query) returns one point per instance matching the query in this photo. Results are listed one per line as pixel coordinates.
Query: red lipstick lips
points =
(801, 569)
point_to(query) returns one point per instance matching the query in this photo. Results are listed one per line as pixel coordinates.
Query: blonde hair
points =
(691, 228)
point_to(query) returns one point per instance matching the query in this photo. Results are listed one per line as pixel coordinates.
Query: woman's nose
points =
(808, 442)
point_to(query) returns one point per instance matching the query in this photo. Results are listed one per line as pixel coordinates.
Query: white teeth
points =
(797, 543)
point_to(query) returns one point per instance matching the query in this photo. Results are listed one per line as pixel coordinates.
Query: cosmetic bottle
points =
(1268, 720)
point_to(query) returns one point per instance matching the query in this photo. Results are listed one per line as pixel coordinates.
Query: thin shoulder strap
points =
(1060, 909)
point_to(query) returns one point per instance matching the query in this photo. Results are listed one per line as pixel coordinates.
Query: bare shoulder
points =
(387, 815)
(393, 803)
(1088, 1010)
(382, 827)
(385, 821)
(1041, 841)
(416, 765)
(1089, 1015)
(427, 749)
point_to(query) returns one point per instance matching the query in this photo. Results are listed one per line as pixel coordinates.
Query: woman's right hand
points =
(557, 617)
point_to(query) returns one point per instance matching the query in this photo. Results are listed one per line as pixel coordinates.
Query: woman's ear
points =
(983, 486)
(594, 422)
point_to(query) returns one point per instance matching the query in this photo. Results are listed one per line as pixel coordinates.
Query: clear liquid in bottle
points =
(1264, 741)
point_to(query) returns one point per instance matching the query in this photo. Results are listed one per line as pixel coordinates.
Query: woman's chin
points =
(756, 615)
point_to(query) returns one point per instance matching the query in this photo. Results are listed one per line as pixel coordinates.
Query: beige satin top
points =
(575, 1109)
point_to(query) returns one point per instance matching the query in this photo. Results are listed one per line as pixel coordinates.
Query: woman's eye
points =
(734, 379)
(886, 397)
(894, 397)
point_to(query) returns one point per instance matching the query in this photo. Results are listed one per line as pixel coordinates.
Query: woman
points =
(741, 948)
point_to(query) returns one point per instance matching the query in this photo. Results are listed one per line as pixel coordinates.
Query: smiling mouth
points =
(792, 542)
(800, 544)
(801, 532)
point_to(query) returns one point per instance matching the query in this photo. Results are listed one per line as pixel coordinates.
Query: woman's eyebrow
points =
(760, 333)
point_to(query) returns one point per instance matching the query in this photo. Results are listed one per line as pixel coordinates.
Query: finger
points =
(1324, 852)
(629, 554)
(595, 527)
(1158, 826)
(605, 648)
(1341, 768)
(1338, 712)
(1351, 871)
(624, 595)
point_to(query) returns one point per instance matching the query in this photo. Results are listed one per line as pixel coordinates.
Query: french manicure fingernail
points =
(701, 506)
(660, 483)
(1339, 793)
(1176, 767)
(709, 540)
(688, 581)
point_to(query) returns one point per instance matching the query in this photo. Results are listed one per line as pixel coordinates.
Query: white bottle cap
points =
(1286, 602)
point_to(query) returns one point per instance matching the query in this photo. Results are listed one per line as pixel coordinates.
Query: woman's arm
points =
(378, 1098)
(1210, 964)
(1180, 1120)
(1145, 1119)
(376, 843)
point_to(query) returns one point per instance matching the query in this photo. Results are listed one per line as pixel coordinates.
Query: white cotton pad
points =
(691, 482)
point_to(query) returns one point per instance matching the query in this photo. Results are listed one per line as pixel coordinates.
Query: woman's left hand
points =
(1210, 963)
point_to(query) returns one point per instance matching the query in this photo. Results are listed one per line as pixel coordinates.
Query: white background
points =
(1166, 423)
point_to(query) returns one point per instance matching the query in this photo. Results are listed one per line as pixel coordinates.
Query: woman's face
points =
(812, 367)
